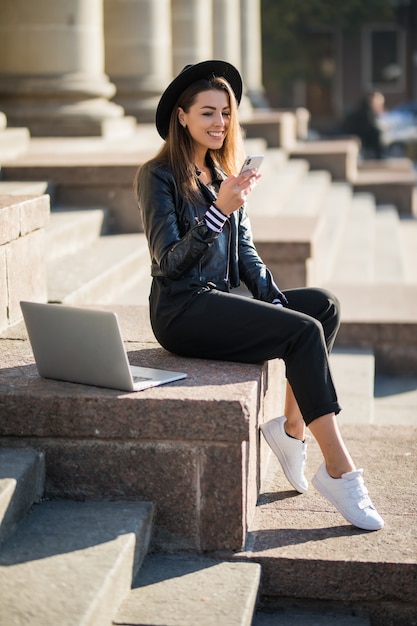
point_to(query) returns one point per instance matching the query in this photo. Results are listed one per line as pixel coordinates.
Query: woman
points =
(193, 208)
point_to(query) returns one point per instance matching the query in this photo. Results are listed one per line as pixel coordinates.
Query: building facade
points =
(73, 67)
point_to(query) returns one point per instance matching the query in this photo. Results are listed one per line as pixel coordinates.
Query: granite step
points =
(137, 293)
(185, 590)
(388, 256)
(353, 372)
(309, 553)
(337, 156)
(309, 196)
(22, 253)
(389, 186)
(13, 142)
(382, 318)
(176, 445)
(71, 229)
(395, 400)
(99, 272)
(278, 183)
(24, 188)
(89, 178)
(354, 262)
(408, 240)
(22, 477)
(335, 211)
(72, 563)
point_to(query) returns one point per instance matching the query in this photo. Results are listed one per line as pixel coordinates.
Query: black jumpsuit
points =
(195, 312)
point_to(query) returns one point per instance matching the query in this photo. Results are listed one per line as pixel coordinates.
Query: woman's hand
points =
(234, 191)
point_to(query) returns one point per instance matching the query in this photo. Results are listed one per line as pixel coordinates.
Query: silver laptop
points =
(85, 346)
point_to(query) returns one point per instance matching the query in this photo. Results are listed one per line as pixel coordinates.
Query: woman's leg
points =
(320, 304)
(326, 432)
(338, 480)
(295, 424)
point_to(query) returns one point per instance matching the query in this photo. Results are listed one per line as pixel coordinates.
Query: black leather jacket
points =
(183, 249)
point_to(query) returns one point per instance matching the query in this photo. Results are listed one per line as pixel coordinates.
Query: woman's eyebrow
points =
(212, 108)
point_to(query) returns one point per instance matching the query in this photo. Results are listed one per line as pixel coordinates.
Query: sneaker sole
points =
(321, 489)
(281, 458)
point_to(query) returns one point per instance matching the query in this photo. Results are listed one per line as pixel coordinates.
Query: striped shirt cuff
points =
(215, 219)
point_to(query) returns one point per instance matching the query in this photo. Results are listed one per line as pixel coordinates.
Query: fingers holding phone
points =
(251, 164)
(235, 189)
(253, 161)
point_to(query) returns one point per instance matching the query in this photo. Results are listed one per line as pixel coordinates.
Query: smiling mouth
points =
(215, 135)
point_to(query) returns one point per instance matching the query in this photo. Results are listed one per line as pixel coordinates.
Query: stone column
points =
(227, 42)
(52, 76)
(226, 31)
(137, 36)
(252, 52)
(191, 32)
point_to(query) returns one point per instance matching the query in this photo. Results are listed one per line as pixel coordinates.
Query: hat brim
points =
(189, 75)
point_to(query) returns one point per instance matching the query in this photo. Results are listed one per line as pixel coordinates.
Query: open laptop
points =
(85, 346)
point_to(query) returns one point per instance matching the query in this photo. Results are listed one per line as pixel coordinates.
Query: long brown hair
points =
(178, 153)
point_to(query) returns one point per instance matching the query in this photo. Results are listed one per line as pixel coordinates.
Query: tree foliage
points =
(287, 23)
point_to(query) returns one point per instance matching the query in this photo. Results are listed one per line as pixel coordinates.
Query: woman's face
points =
(207, 119)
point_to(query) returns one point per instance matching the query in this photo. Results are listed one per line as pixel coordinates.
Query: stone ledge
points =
(22, 253)
(13, 142)
(21, 215)
(337, 156)
(381, 317)
(87, 180)
(286, 243)
(191, 446)
(397, 188)
(278, 128)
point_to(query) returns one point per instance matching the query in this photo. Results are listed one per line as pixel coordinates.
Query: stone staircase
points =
(193, 448)
(323, 233)
(63, 562)
(71, 562)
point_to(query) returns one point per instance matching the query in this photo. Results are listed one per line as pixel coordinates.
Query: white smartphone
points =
(252, 161)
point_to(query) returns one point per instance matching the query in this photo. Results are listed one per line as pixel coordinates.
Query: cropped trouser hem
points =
(314, 414)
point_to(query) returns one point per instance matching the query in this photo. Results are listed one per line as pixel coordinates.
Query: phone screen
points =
(252, 161)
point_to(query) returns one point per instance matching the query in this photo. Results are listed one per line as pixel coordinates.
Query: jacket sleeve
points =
(253, 271)
(173, 252)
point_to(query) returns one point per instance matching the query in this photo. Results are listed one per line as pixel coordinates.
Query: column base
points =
(91, 118)
(74, 105)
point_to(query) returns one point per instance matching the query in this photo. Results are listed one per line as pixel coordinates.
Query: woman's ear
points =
(181, 115)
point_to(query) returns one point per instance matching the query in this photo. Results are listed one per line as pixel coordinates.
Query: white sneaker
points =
(291, 453)
(350, 497)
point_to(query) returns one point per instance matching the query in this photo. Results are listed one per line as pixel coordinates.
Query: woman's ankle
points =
(295, 430)
(337, 470)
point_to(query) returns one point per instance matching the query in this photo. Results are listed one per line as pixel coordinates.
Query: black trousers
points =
(229, 327)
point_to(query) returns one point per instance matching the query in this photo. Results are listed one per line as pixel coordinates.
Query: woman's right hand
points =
(234, 191)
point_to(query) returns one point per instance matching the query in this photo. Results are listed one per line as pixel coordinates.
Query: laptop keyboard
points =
(139, 379)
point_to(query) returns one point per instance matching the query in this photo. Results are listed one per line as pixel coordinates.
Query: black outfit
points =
(194, 311)
(363, 122)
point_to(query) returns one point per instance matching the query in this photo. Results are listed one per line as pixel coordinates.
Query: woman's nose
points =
(219, 119)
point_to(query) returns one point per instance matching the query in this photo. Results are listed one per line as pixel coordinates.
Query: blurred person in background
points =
(364, 123)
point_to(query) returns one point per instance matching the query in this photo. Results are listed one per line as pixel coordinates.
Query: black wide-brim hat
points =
(190, 74)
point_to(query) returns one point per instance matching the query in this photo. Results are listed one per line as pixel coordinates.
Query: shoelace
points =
(357, 491)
